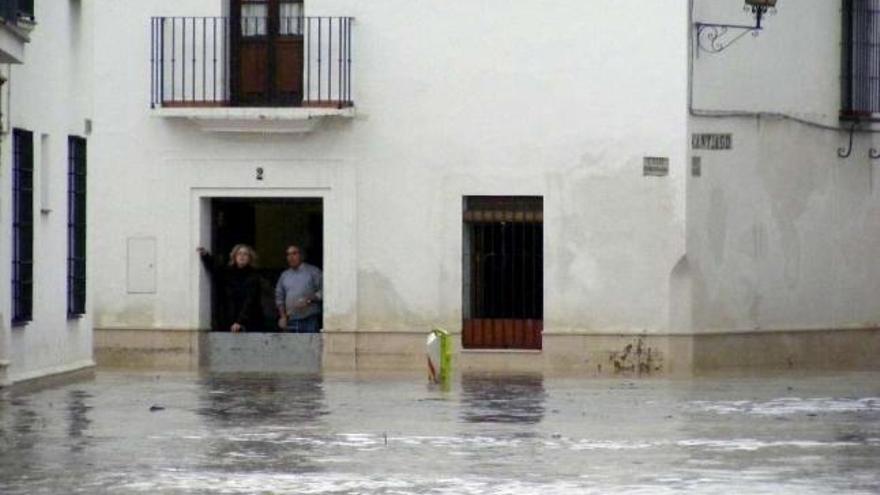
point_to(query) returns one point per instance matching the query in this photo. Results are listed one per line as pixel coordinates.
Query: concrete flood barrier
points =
(263, 352)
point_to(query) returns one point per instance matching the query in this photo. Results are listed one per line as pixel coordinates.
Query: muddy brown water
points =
(489, 434)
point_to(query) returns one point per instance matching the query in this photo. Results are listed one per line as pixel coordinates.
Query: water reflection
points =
(25, 424)
(260, 422)
(262, 399)
(20, 434)
(77, 419)
(515, 398)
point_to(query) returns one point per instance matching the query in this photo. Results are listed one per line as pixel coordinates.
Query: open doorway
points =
(269, 225)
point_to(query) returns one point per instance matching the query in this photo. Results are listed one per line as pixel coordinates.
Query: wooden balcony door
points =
(267, 52)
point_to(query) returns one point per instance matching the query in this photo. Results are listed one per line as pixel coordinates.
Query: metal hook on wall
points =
(845, 152)
(874, 153)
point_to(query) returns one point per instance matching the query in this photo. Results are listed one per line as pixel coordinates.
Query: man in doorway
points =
(298, 294)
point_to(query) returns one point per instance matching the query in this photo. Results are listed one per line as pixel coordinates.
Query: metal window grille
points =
(26, 8)
(860, 59)
(76, 226)
(22, 225)
(503, 272)
(12, 10)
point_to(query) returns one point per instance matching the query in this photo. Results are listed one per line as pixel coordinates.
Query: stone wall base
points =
(582, 354)
(842, 349)
(170, 350)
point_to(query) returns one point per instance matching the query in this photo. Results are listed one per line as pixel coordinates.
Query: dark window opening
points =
(503, 272)
(76, 226)
(13, 10)
(860, 59)
(22, 225)
(268, 225)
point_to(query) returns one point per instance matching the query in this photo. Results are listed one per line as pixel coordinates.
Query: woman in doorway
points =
(239, 285)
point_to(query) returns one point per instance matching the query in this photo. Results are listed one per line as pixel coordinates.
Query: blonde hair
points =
(243, 247)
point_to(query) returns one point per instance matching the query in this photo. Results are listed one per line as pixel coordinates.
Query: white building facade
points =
(782, 225)
(45, 313)
(565, 186)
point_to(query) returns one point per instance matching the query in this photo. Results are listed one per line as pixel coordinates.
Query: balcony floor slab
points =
(296, 120)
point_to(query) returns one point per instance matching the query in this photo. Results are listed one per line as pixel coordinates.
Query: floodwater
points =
(494, 434)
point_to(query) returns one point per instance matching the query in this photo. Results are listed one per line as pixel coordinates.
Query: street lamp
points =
(759, 8)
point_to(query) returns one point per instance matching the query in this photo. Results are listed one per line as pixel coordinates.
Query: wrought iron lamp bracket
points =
(715, 38)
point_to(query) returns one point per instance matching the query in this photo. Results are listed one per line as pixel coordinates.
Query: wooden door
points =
(267, 52)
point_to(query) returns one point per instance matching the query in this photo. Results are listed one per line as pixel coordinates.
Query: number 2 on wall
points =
(259, 173)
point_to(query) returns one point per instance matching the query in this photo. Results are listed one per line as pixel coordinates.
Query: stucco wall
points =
(781, 231)
(561, 99)
(50, 95)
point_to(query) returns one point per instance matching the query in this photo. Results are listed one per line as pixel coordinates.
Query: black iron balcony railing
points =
(13, 10)
(251, 61)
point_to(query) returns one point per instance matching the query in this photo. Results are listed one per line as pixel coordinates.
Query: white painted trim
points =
(12, 42)
(50, 371)
(199, 218)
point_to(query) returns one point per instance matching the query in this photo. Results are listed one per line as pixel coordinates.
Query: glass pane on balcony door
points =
(254, 16)
(290, 21)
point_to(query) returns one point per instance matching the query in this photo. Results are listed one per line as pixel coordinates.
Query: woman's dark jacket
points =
(239, 292)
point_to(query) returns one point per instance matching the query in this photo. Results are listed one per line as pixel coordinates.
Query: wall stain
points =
(382, 307)
(636, 357)
(717, 224)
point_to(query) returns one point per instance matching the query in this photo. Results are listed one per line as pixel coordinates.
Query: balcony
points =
(260, 74)
(16, 21)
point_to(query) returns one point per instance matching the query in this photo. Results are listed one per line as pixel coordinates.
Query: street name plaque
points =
(712, 141)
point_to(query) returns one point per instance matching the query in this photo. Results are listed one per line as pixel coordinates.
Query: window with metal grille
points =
(26, 8)
(76, 226)
(22, 225)
(503, 278)
(13, 10)
(860, 59)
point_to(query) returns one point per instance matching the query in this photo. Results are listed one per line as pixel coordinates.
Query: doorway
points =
(267, 52)
(269, 225)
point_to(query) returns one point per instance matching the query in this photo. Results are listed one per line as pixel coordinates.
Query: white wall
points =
(782, 233)
(49, 95)
(556, 98)
(792, 66)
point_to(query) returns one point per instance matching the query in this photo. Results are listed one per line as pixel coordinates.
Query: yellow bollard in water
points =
(439, 353)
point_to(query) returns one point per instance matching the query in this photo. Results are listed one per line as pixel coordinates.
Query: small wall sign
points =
(657, 166)
(696, 166)
(712, 141)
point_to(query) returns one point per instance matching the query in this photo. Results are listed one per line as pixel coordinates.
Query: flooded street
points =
(515, 434)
